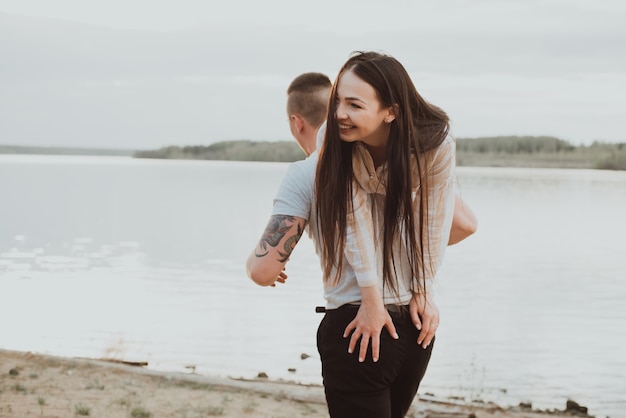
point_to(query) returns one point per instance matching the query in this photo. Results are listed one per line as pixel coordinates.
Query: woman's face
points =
(359, 112)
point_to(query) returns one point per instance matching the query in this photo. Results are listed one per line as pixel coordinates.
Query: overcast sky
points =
(143, 74)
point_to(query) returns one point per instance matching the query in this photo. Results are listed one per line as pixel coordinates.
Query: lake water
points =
(143, 260)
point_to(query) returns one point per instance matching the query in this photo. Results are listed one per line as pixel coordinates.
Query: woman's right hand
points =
(425, 315)
(368, 323)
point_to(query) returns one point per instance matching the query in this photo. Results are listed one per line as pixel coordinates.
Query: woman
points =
(379, 210)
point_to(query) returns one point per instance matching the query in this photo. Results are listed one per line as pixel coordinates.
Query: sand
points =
(36, 385)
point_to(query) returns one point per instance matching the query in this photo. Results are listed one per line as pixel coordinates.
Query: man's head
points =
(307, 105)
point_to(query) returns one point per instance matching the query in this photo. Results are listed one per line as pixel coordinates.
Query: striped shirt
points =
(362, 262)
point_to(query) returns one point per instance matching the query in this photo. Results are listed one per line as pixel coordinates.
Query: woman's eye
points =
(354, 105)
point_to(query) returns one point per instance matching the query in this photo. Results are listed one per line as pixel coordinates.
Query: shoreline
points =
(49, 386)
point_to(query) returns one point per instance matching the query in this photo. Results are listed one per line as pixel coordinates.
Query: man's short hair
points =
(307, 95)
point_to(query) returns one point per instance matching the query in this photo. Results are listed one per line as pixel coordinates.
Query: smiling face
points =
(359, 112)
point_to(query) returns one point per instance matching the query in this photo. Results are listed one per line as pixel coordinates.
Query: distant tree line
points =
(244, 150)
(502, 151)
(539, 151)
(514, 145)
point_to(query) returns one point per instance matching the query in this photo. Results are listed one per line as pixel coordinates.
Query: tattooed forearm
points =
(290, 244)
(276, 230)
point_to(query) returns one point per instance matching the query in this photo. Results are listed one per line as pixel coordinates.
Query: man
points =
(307, 104)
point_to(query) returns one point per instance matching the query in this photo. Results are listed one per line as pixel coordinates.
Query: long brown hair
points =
(418, 127)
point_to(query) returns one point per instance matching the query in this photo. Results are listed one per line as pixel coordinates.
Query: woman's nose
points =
(340, 112)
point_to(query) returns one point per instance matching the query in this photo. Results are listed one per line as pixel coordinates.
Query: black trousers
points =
(384, 389)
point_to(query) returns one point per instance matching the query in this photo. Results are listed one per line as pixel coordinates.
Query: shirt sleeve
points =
(295, 194)
(442, 176)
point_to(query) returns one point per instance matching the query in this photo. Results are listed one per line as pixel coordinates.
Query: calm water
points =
(144, 260)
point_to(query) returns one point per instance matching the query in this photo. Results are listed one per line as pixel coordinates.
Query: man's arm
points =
(268, 259)
(464, 222)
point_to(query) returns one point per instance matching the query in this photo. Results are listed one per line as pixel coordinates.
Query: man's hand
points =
(282, 277)
(425, 316)
(368, 323)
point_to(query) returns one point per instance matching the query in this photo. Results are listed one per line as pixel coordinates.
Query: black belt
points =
(390, 308)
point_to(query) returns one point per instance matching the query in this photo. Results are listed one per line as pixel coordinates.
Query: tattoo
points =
(277, 228)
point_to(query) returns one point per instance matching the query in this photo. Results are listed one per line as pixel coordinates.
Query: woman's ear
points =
(391, 114)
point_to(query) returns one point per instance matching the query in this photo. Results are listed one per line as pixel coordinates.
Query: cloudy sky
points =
(143, 74)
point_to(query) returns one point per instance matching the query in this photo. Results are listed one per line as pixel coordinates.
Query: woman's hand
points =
(425, 316)
(368, 323)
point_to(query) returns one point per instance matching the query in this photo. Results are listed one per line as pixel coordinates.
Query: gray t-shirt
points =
(295, 197)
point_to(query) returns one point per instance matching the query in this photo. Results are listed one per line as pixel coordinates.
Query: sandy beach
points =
(36, 385)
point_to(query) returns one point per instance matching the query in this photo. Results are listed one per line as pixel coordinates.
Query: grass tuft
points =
(19, 388)
(140, 412)
(82, 410)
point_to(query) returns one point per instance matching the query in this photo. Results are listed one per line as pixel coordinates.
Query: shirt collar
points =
(371, 179)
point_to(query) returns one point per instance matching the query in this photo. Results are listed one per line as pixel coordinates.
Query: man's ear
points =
(298, 122)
